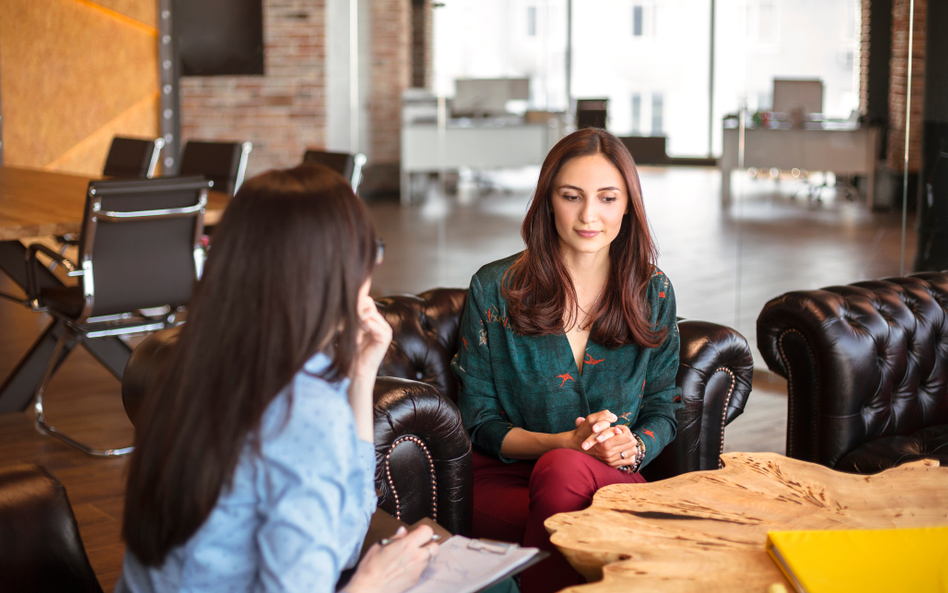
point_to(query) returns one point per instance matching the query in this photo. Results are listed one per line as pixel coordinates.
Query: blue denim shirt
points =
(294, 517)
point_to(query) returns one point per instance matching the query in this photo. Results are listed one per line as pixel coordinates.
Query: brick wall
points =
(898, 85)
(390, 76)
(282, 112)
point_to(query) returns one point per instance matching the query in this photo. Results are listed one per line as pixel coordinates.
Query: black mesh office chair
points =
(347, 165)
(139, 254)
(133, 157)
(224, 163)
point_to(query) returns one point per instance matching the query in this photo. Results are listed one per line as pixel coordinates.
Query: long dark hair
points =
(280, 285)
(538, 287)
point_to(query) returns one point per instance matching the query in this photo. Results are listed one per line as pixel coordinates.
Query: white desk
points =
(847, 150)
(483, 146)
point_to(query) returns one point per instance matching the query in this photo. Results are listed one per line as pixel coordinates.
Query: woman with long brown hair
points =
(569, 352)
(254, 465)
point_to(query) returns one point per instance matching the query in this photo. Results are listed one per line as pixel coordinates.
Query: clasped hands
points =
(596, 436)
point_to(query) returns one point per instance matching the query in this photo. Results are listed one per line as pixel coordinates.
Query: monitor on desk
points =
(803, 94)
(484, 97)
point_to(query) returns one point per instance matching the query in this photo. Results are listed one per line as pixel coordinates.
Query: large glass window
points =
(660, 66)
(758, 41)
(503, 39)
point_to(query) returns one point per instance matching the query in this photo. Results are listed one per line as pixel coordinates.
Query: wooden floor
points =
(725, 264)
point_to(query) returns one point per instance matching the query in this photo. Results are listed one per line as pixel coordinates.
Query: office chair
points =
(224, 163)
(128, 157)
(592, 113)
(347, 165)
(140, 255)
(133, 157)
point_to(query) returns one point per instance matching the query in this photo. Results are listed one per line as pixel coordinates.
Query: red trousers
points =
(512, 500)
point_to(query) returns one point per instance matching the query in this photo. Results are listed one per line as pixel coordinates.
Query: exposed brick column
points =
(898, 85)
(421, 37)
(864, 35)
(390, 76)
(282, 112)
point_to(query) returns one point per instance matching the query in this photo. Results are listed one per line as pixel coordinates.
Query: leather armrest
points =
(715, 371)
(424, 455)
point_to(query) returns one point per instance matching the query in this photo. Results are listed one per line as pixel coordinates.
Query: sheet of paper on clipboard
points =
(465, 565)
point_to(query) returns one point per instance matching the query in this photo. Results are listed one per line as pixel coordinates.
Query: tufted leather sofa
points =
(40, 548)
(866, 367)
(423, 451)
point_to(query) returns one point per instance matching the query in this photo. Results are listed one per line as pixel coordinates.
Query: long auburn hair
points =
(538, 287)
(281, 284)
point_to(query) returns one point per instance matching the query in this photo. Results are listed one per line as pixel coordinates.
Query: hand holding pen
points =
(397, 561)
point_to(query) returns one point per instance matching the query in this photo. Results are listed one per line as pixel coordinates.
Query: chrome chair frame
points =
(245, 149)
(87, 326)
(358, 161)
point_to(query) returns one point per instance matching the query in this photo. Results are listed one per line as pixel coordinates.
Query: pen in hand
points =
(387, 540)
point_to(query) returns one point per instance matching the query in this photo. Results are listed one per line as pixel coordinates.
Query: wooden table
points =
(706, 531)
(35, 203)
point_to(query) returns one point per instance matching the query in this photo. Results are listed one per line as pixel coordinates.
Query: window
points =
(531, 21)
(637, 18)
(636, 114)
(657, 103)
(762, 21)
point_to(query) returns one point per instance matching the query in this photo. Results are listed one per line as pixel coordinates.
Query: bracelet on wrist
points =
(639, 453)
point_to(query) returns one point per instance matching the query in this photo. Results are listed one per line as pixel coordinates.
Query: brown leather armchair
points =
(423, 451)
(867, 370)
(40, 547)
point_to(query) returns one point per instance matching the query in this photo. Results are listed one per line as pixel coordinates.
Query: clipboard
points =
(465, 565)
(384, 525)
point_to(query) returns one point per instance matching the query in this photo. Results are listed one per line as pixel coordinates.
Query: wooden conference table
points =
(36, 203)
(706, 531)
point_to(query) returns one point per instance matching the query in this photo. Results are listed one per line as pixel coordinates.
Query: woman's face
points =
(589, 200)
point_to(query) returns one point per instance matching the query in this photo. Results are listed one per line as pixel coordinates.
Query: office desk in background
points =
(471, 143)
(842, 149)
(36, 203)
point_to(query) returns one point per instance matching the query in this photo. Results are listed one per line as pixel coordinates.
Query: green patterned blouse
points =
(509, 380)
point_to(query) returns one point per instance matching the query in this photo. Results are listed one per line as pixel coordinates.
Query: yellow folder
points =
(862, 560)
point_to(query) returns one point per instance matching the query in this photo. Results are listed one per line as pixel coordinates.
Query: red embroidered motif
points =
(465, 343)
(649, 433)
(661, 295)
(677, 398)
(589, 360)
(565, 378)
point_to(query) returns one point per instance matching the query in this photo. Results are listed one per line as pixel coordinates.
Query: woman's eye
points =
(570, 197)
(608, 199)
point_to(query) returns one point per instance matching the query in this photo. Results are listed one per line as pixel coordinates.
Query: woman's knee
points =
(563, 469)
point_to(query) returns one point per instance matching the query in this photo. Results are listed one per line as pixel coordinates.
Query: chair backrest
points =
(40, 547)
(140, 243)
(132, 157)
(347, 165)
(224, 163)
(864, 361)
(646, 150)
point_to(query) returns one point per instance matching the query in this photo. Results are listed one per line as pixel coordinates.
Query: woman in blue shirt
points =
(569, 352)
(254, 465)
